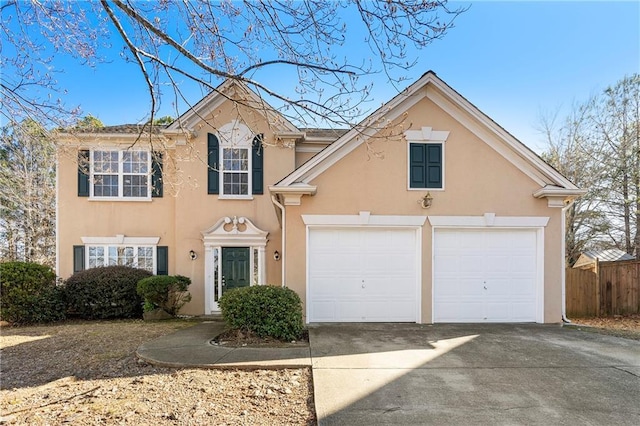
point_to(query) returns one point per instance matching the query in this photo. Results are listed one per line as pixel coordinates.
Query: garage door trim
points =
(365, 220)
(490, 221)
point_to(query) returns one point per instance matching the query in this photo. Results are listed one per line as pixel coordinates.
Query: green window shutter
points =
(78, 259)
(257, 161)
(83, 173)
(434, 165)
(156, 176)
(417, 166)
(213, 174)
(162, 260)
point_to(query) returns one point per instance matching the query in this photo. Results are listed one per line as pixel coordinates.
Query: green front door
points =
(236, 268)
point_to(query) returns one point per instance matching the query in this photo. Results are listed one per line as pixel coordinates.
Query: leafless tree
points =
(617, 121)
(173, 42)
(597, 146)
(27, 194)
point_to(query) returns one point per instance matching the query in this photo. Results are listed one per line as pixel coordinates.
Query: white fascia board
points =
(538, 169)
(295, 188)
(356, 136)
(205, 104)
(216, 98)
(548, 191)
(489, 220)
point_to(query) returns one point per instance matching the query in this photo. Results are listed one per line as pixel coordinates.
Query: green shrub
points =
(167, 292)
(29, 294)
(268, 311)
(105, 292)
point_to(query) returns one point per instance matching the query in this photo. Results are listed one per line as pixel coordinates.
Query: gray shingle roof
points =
(608, 255)
(121, 128)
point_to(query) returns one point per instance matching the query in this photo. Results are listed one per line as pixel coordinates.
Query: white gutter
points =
(283, 257)
(563, 249)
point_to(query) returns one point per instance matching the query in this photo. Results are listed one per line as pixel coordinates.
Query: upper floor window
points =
(235, 171)
(122, 174)
(111, 174)
(426, 158)
(235, 162)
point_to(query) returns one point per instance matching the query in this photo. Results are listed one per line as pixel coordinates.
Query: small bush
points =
(29, 294)
(167, 292)
(105, 292)
(268, 311)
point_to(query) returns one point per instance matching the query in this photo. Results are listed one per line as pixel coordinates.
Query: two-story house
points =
(426, 212)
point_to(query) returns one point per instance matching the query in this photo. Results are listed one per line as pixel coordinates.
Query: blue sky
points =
(513, 60)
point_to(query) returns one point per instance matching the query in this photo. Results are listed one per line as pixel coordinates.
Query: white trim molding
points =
(365, 220)
(424, 136)
(558, 197)
(291, 195)
(362, 219)
(231, 232)
(121, 240)
(489, 220)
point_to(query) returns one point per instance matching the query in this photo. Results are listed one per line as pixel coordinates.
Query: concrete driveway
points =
(404, 374)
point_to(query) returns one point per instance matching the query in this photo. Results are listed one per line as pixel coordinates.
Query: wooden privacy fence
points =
(612, 289)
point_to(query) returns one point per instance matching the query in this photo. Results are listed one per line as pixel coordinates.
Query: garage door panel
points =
(454, 311)
(362, 274)
(328, 286)
(523, 264)
(497, 264)
(491, 278)
(470, 263)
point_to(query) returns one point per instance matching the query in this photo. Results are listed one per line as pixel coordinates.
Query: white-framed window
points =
(142, 257)
(120, 174)
(235, 160)
(235, 171)
(136, 252)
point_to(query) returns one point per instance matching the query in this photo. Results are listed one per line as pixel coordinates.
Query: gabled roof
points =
(229, 90)
(610, 255)
(552, 183)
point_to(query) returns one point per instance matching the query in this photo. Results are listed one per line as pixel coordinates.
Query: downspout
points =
(283, 257)
(563, 224)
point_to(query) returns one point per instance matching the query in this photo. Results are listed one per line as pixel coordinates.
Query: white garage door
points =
(485, 275)
(362, 275)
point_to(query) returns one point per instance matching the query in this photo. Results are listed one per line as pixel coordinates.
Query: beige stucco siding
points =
(477, 180)
(185, 211)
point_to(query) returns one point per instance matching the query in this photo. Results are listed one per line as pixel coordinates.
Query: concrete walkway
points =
(192, 348)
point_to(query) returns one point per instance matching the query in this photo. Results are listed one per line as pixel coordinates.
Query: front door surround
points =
(234, 249)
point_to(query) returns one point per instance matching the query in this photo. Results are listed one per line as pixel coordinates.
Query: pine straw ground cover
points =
(620, 325)
(86, 373)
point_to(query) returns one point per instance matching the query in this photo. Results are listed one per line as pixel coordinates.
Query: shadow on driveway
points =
(472, 374)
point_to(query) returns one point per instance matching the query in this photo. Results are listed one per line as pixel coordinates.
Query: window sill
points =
(425, 189)
(120, 199)
(235, 197)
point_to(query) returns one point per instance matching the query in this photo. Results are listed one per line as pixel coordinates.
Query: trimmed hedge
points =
(268, 311)
(29, 294)
(167, 292)
(105, 292)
